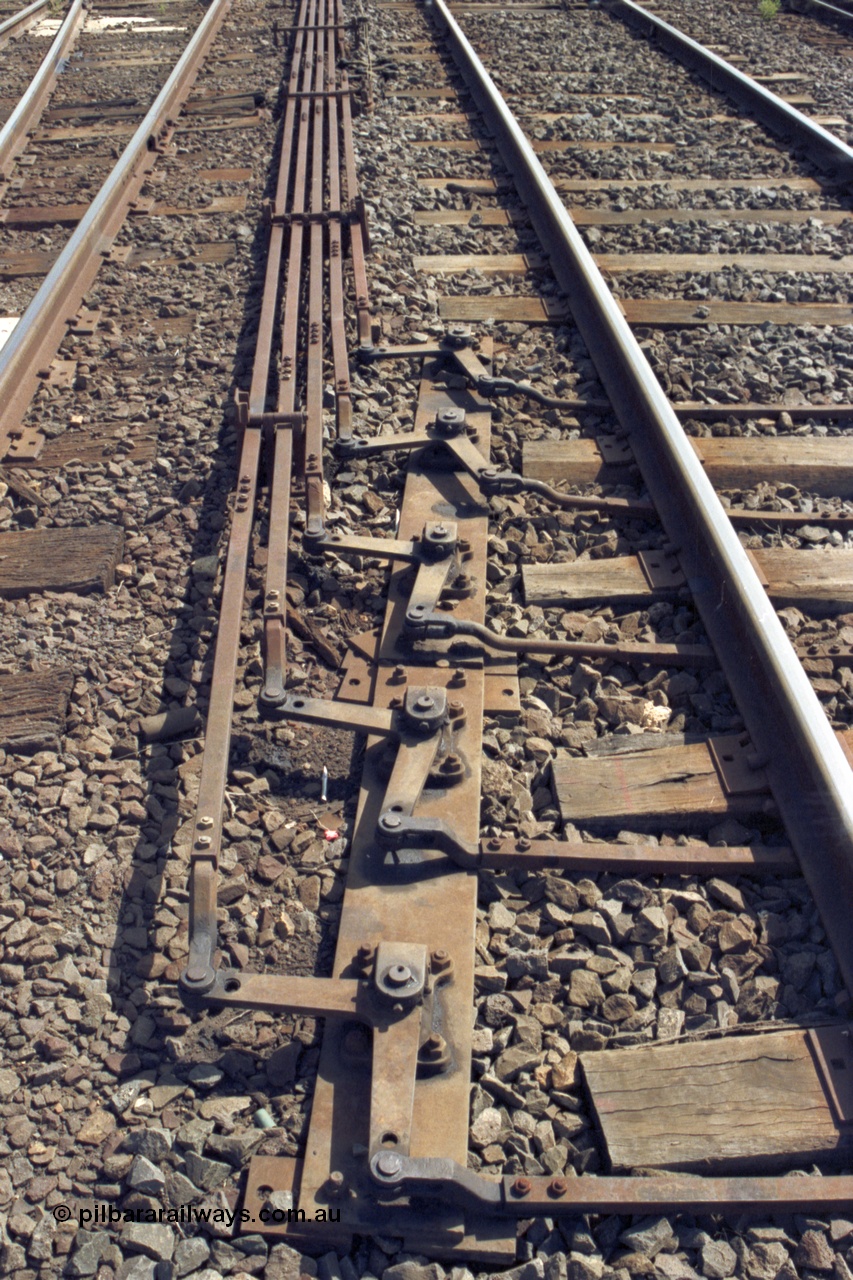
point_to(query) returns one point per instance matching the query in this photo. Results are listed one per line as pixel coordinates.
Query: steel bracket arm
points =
(394, 1174)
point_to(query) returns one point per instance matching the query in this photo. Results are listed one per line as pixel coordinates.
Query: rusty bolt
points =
(439, 957)
(365, 951)
(335, 1183)
(557, 1187)
(523, 844)
(399, 675)
(425, 702)
(205, 823)
(395, 702)
(455, 707)
(434, 1046)
(522, 1187)
(458, 676)
(203, 842)
(494, 843)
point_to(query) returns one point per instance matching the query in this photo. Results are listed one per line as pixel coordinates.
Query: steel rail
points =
(19, 22)
(821, 10)
(26, 115)
(37, 336)
(808, 772)
(824, 148)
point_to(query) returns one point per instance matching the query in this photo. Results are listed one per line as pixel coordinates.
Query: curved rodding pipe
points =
(812, 782)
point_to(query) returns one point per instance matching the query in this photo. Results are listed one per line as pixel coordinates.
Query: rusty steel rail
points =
(36, 338)
(786, 722)
(26, 115)
(14, 26)
(823, 148)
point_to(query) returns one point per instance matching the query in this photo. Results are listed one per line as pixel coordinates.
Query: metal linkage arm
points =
(438, 626)
(444, 1180)
(435, 554)
(457, 347)
(448, 431)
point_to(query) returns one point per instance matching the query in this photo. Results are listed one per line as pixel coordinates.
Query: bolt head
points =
(425, 702)
(389, 1163)
(205, 823)
(399, 975)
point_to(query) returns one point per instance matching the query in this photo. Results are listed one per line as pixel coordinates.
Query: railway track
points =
(597, 763)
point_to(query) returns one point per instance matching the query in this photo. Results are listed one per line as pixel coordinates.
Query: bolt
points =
(203, 842)
(272, 595)
(522, 1187)
(440, 531)
(523, 844)
(365, 951)
(425, 702)
(399, 675)
(458, 677)
(455, 707)
(439, 957)
(399, 975)
(450, 763)
(389, 1164)
(557, 1187)
(434, 1046)
(463, 580)
(335, 1183)
(205, 822)
(392, 821)
(494, 843)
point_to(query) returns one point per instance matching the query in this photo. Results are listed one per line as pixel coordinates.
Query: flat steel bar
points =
(358, 245)
(269, 300)
(36, 337)
(420, 900)
(523, 1197)
(19, 22)
(824, 148)
(314, 502)
(28, 112)
(636, 859)
(207, 834)
(809, 775)
(280, 446)
(337, 321)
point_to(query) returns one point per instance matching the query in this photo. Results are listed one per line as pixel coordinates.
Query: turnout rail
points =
(386, 1146)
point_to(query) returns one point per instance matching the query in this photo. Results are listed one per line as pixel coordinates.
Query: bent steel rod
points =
(808, 773)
